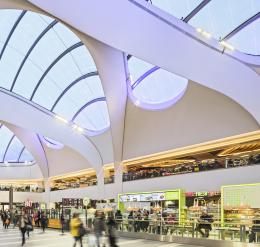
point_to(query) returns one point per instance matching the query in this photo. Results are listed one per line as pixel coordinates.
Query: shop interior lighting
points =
(61, 119)
(226, 45)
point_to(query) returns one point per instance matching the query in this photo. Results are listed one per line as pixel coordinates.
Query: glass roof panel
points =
(39, 60)
(7, 20)
(5, 137)
(26, 156)
(11, 146)
(95, 116)
(220, 17)
(38, 56)
(19, 43)
(155, 86)
(177, 8)
(137, 68)
(248, 39)
(14, 150)
(78, 95)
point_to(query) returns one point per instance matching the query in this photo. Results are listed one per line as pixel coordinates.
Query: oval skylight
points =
(152, 87)
(46, 63)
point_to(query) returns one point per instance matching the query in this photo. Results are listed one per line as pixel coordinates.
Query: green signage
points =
(172, 195)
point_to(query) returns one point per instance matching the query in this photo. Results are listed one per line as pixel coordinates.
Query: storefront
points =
(197, 202)
(240, 204)
(162, 202)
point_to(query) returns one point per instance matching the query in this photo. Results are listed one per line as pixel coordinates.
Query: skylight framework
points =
(12, 150)
(233, 21)
(46, 63)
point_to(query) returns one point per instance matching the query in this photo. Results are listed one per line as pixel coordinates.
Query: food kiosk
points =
(162, 201)
(240, 204)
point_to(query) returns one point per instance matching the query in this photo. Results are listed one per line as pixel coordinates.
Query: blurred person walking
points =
(99, 226)
(111, 223)
(44, 222)
(77, 229)
(23, 221)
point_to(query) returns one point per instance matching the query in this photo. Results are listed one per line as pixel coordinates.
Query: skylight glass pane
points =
(26, 156)
(28, 78)
(5, 137)
(14, 150)
(220, 17)
(19, 43)
(94, 117)
(137, 68)
(8, 65)
(40, 59)
(81, 93)
(59, 77)
(48, 54)
(177, 8)
(153, 85)
(7, 21)
(66, 36)
(248, 39)
(83, 59)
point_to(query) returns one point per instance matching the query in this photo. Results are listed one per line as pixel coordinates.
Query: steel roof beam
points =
(11, 32)
(95, 73)
(51, 25)
(54, 63)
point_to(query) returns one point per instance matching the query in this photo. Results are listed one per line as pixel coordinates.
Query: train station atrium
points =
(130, 123)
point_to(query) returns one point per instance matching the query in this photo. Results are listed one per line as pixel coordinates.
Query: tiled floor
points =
(52, 238)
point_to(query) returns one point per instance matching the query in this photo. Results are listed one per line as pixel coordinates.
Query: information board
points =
(72, 202)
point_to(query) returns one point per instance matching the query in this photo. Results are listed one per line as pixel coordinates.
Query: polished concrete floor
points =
(52, 238)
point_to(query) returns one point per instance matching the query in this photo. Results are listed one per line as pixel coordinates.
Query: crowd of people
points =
(24, 221)
(102, 227)
(136, 173)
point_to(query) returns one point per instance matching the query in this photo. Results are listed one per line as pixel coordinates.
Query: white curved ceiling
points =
(189, 58)
(38, 71)
(183, 52)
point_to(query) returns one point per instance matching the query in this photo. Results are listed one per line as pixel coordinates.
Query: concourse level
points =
(11, 237)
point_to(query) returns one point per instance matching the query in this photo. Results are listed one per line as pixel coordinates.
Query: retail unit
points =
(197, 202)
(170, 201)
(240, 204)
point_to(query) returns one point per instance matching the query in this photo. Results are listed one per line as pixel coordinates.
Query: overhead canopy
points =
(35, 54)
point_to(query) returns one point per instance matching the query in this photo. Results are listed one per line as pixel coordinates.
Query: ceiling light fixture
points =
(77, 128)
(61, 119)
(199, 30)
(226, 45)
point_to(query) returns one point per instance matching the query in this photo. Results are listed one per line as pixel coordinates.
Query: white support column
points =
(100, 184)
(118, 177)
(47, 195)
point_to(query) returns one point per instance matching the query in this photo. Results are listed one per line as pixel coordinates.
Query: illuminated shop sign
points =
(202, 194)
(145, 197)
